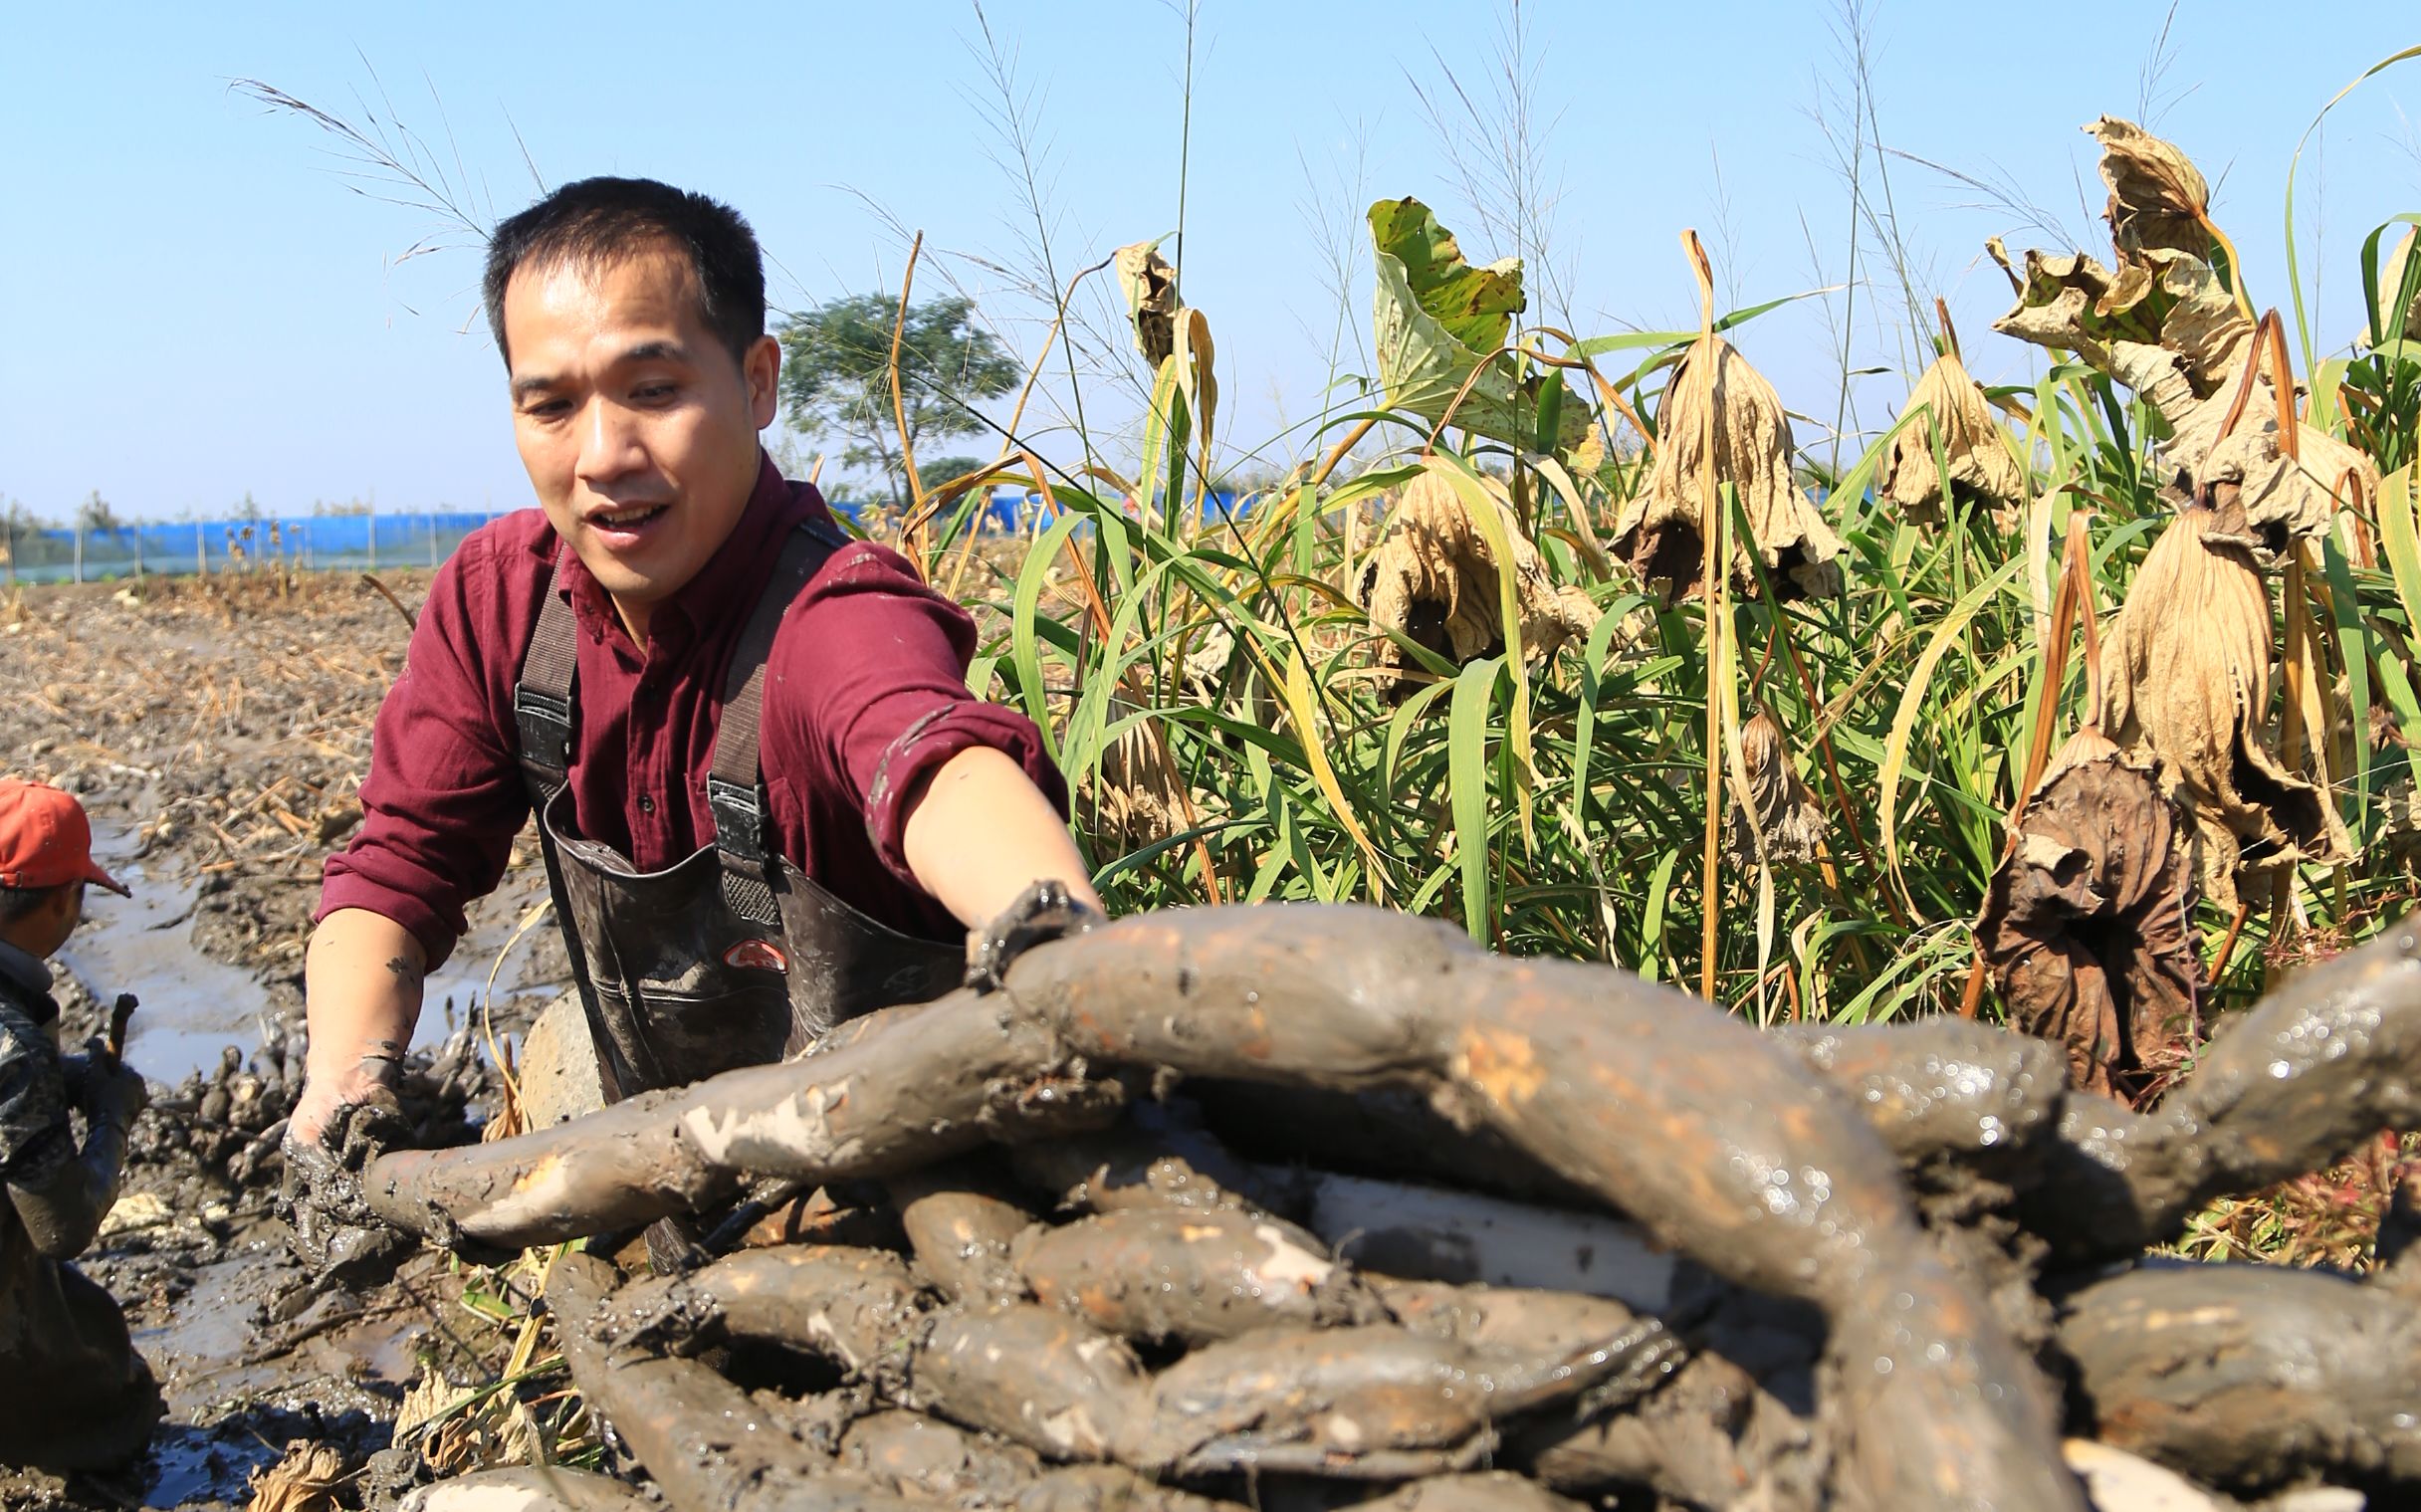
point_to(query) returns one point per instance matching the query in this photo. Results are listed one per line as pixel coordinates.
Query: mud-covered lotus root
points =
(1189, 1277)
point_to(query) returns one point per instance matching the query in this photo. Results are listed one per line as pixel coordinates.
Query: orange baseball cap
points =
(45, 840)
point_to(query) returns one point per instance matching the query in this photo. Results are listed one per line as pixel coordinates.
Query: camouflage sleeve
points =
(36, 1138)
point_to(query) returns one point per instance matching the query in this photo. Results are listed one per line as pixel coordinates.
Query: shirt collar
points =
(25, 969)
(736, 573)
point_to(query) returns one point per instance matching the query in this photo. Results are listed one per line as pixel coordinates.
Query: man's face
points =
(637, 428)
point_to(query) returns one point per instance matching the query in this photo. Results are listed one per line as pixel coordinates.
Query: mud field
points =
(217, 732)
(1309, 1207)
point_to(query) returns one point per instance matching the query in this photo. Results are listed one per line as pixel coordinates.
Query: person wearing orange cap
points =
(74, 1393)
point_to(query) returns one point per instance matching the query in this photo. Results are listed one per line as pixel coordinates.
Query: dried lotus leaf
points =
(1150, 290)
(2165, 329)
(2158, 199)
(2190, 686)
(306, 1480)
(1658, 529)
(2171, 301)
(1982, 467)
(1785, 810)
(1433, 581)
(2087, 922)
(2281, 499)
(1132, 801)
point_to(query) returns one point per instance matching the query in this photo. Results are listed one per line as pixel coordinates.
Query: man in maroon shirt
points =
(766, 800)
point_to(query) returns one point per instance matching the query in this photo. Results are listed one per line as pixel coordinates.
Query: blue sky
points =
(195, 305)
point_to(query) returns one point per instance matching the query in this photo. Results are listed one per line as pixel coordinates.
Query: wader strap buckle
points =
(544, 723)
(739, 810)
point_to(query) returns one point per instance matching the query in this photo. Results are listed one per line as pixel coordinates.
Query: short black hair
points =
(20, 902)
(599, 220)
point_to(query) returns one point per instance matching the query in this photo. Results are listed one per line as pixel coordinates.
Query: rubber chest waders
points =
(731, 957)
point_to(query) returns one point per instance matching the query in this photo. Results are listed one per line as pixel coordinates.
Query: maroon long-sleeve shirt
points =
(865, 694)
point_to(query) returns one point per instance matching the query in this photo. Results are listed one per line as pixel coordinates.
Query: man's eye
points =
(547, 409)
(654, 391)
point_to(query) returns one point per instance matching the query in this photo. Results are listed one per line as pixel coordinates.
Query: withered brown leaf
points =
(1658, 530)
(2158, 199)
(1150, 282)
(1982, 467)
(2189, 688)
(306, 1480)
(2087, 924)
(1785, 809)
(1433, 579)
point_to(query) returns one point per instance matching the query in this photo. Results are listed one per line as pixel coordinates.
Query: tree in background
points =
(836, 378)
(95, 514)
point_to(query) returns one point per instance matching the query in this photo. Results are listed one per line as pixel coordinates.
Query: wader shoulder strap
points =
(735, 788)
(542, 699)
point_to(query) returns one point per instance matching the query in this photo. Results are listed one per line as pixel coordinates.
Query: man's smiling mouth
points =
(630, 519)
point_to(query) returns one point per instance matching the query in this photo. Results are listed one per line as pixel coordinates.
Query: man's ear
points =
(762, 367)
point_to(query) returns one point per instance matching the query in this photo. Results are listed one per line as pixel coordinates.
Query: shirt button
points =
(647, 804)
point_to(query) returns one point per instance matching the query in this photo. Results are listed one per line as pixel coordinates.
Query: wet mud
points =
(217, 733)
(1200, 1210)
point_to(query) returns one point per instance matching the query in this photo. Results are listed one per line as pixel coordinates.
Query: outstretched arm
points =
(981, 832)
(361, 986)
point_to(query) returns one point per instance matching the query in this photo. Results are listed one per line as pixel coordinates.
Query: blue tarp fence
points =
(313, 542)
(360, 543)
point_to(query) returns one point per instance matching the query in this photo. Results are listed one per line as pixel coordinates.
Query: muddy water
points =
(191, 1004)
(245, 1361)
(194, 1006)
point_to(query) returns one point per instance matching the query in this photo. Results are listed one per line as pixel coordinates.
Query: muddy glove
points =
(62, 1212)
(335, 1235)
(1042, 912)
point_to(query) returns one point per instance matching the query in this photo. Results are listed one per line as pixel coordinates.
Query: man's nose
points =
(609, 443)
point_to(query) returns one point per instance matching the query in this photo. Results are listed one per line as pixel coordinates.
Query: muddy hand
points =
(335, 1235)
(1044, 911)
(110, 1089)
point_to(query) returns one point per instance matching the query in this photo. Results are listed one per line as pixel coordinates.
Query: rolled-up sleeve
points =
(444, 796)
(885, 658)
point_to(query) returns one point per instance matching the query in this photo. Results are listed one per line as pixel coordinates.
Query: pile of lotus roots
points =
(1323, 1207)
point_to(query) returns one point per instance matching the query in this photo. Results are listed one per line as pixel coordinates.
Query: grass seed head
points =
(1660, 527)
